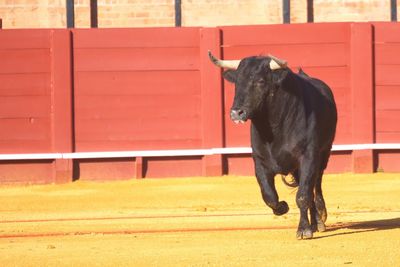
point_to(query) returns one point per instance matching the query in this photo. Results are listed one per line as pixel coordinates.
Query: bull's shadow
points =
(361, 227)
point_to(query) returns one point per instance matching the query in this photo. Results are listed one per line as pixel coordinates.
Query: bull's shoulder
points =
(314, 85)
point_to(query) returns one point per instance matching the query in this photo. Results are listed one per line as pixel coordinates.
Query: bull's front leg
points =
(266, 181)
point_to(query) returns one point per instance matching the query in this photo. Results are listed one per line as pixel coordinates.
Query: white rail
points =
(175, 153)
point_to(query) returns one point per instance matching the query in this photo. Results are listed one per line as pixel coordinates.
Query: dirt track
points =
(196, 222)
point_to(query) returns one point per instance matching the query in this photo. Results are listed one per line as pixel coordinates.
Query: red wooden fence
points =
(35, 101)
(86, 90)
(387, 92)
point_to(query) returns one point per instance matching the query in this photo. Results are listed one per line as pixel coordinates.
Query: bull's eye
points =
(260, 82)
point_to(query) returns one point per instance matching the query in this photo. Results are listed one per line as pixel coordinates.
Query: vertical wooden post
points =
(212, 100)
(62, 102)
(139, 168)
(362, 87)
(1, 24)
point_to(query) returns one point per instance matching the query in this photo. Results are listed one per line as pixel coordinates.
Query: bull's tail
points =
(290, 180)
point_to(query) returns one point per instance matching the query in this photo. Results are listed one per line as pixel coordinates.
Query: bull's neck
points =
(281, 110)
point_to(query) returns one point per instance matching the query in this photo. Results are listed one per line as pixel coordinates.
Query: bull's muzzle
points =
(239, 116)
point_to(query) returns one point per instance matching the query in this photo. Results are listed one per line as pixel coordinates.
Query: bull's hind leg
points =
(305, 197)
(319, 212)
(317, 224)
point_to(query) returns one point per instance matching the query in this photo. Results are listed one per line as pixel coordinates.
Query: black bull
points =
(293, 123)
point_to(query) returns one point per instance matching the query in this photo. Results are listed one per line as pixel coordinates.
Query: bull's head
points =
(255, 78)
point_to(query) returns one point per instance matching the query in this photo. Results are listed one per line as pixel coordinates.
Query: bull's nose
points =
(238, 115)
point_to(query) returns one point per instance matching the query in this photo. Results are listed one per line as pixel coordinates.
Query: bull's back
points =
(323, 105)
(328, 119)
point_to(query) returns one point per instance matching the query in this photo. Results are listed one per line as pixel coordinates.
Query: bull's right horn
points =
(227, 64)
(277, 63)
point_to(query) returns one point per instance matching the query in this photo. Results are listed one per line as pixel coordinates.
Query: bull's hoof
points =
(304, 234)
(281, 209)
(321, 227)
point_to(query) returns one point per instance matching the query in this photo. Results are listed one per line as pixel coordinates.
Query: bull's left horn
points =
(277, 63)
(227, 64)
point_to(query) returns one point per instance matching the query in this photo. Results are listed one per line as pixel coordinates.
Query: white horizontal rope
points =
(175, 152)
(31, 156)
(365, 147)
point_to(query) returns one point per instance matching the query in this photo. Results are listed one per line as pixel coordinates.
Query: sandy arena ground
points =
(196, 222)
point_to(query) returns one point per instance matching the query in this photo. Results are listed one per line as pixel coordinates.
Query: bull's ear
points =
(230, 75)
(279, 76)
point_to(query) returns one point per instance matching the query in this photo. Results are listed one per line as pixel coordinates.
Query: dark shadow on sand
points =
(360, 227)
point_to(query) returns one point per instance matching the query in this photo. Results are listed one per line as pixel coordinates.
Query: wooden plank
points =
(129, 59)
(136, 37)
(61, 80)
(62, 103)
(388, 161)
(387, 74)
(387, 54)
(239, 165)
(339, 162)
(24, 146)
(139, 171)
(24, 39)
(104, 169)
(25, 84)
(387, 97)
(305, 55)
(25, 61)
(386, 32)
(236, 135)
(24, 107)
(388, 120)
(211, 101)
(173, 167)
(138, 129)
(137, 106)
(362, 93)
(25, 129)
(343, 132)
(151, 83)
(387, 137)
(116, 145)
(173, 113)
(26, 172)
(286, 34)
(336, 77)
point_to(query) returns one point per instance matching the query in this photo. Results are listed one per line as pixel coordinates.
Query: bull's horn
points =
(277, 63)
(227, 64)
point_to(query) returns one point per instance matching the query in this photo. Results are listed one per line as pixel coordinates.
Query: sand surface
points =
(219, 221)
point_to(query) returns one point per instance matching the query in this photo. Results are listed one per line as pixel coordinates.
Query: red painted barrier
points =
(387, 92)
(83, 90)
(35, 102)
(138, 89)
